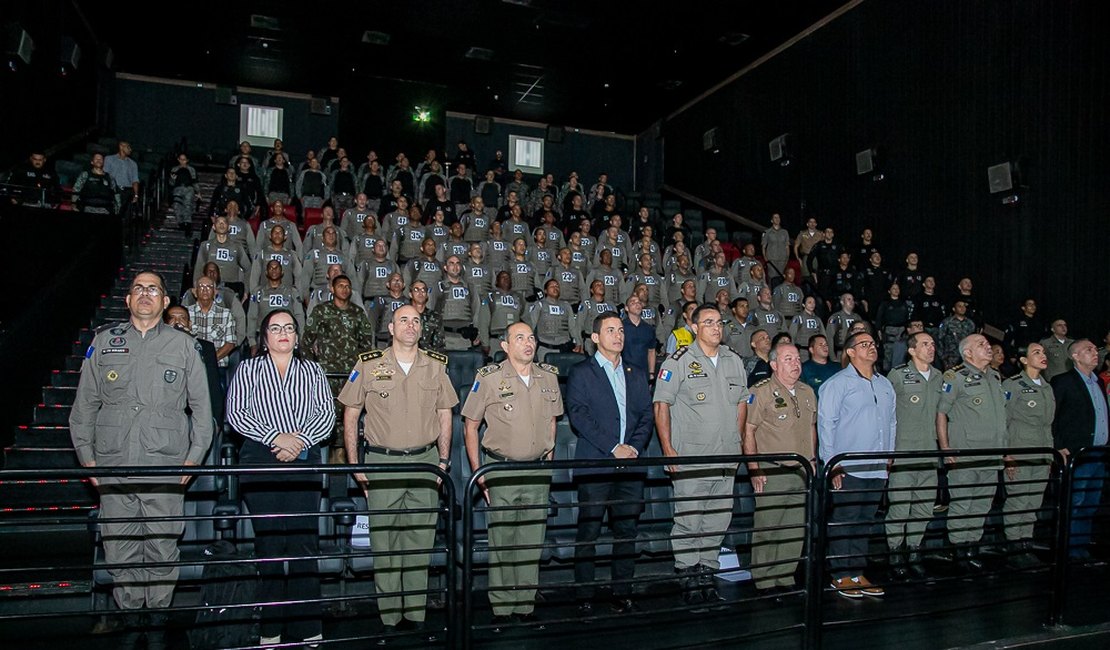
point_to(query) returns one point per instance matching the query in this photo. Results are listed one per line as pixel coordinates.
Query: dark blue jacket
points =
(594, 417)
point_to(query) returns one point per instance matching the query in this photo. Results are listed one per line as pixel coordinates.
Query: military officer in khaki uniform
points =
(971, 414)
(1030, 409)
(519, 401)
(782, 418)
(701, 397)
(913, 482)
(136, 380)
(408, 399)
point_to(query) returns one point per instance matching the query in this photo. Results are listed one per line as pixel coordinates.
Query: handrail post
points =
(815, 563)
(1063, 540)
(468, 562)
(450, 560)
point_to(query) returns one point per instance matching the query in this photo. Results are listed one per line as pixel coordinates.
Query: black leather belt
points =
(505, 459)
(411, 451)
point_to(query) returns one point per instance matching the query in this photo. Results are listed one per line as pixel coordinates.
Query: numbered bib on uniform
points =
(521, 268)
(431, 267)
(439, 231)
(610, 280)
(567, 276)
(649, 280)
(368, 243)
(279, 257)
(476, 272)
(395, 305)
(770, 319)
(722, 281)
(508, 301)
(577, 257)
(459, 293)
(381, 272)
(223, 255)
(479, 223)
(648, 313)
(518, 229)
(277, 300)
(332, 258)
(543, 256)
(792, 297)
(402, 221)
(233, 229)
(415, 235)
(555, 310)
(498, 245)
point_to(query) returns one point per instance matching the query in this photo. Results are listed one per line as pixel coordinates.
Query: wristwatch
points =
(446, 462)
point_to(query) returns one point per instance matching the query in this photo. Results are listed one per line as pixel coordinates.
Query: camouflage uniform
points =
(334, 338)
(431, 330)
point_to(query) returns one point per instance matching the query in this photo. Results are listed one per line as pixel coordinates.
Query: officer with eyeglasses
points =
(136, 380)
(701, 396)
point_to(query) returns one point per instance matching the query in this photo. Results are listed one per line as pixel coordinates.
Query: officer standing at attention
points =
(782, 418)
(701, 397)
(136, 380)
(972, 414)
(519, 401)
(408, 399)
(913, 482)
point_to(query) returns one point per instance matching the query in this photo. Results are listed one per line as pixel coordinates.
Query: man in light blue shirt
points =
(855, 413)
(125, 173)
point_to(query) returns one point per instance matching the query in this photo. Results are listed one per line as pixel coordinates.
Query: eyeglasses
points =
(865, 345)
(711, 323)
(153, 290)
(206, 287)
(288, 328)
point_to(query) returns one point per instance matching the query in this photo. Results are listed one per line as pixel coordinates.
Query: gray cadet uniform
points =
(541, 260)
(381, 315)
(360, 250)
(234, 260)
(913, 483)
(777, 245)
(459, 307)
(610, 279)
(291, 267)
(241, 232)
(523, 275)
(314, 273)
(498, 254)
(374, 276)
(768, 320)
(314, 237)
(353, 219)
(589, 247)
(580, 260)
(589, 310)
(705, 400)
(653, 282)
(266, 300)
(672, 287)
(475, 226)
(1059, 361)
(479, 277)
(975, 404)
(401, 426)
(802, 328)
(1030, 409)
(750, 290)
(428, 271)
(711, 282)
(520, 426)
(410, 237)
(571, 282)
(788, 298)
(555, 325)
(292, 235)
(780, 512)
(458, 248)
(130, 411)
(392, 224)
(741, 269)
(837, 331)
(513, 230)
(499, 311)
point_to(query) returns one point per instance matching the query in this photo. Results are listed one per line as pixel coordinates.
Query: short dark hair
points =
(732, 305)
(851, 342)
(161, 278)
(704, 307)
(262, 327)
(813, 338)
(781, 336)
(604, 316)
(341, 276)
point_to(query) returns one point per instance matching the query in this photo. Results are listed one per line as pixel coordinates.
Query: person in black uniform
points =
(40, 184)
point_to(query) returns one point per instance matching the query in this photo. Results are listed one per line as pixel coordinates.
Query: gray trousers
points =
(911, 491)
(1024, 496)
(700, 523)
(141, 542)
(971, 486)
(184, 202)
(779, 527)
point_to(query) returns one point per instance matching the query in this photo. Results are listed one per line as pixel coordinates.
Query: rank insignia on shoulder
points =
(761, 382)
(432, 354)
(486, 370)
(679, 352)
(550, 368)
(371, 355)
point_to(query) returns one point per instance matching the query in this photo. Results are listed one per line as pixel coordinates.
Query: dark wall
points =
(943, 89)
(160, 114)
(588, 154)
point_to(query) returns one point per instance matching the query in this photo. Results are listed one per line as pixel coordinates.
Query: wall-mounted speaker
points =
(320, 106)
(18, 43)
(782, 149)
(483, 125)
(226, 96)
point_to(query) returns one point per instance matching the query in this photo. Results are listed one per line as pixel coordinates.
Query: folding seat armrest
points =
(224, 514)
(343, 508)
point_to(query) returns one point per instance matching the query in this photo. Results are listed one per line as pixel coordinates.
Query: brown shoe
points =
(867, 588)
(847, 587)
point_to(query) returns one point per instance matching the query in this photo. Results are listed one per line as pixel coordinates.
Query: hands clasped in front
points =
(286, 447)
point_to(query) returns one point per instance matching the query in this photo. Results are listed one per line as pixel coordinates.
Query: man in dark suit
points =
(610, 409)
(1081, 421)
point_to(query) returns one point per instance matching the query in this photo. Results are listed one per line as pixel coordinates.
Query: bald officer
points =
(519, 401)
(913, 482)
(136, 381)
(972, 414)
(782, 418)
(701, 397)
(408, 399)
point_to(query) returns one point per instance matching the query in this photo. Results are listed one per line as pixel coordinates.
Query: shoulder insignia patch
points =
(108, 326)
(950, 374)
(548, 367)
(957, 368)
(487, 370)
(432, 354)
(904, 366)
(1016, 377)
(762, 382)
(371, 355)
(679, 352)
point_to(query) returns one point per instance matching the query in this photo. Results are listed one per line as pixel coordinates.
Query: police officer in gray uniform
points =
(274, 294)
(913, 482)
(136, 381)
(572, 284)
(972, 414)
(701, 396)
(477, 273)
(554, 322)
(374, 274)
(459, 307)
(610, 277)
(501, 309)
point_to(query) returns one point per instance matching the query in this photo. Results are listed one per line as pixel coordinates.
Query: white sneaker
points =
(269, 640)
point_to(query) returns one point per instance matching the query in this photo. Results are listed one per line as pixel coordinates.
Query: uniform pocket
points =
(166, 437)
(171, 379)
(109, 433)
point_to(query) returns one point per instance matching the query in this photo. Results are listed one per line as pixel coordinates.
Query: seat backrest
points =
(564, 361)
(462, 366)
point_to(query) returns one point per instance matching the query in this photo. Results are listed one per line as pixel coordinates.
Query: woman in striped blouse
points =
(284, 408)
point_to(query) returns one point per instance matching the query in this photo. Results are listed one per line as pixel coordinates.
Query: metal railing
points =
(464, 622)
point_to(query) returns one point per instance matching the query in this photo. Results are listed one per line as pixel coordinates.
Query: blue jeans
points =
(1086, 492)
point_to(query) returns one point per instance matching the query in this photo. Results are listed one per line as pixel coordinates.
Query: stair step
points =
(68, 553)
(38, 588)
(51, 414)
(39, 458)
(63, 378)
(61, 396)
(55, 436)
(46, 493)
